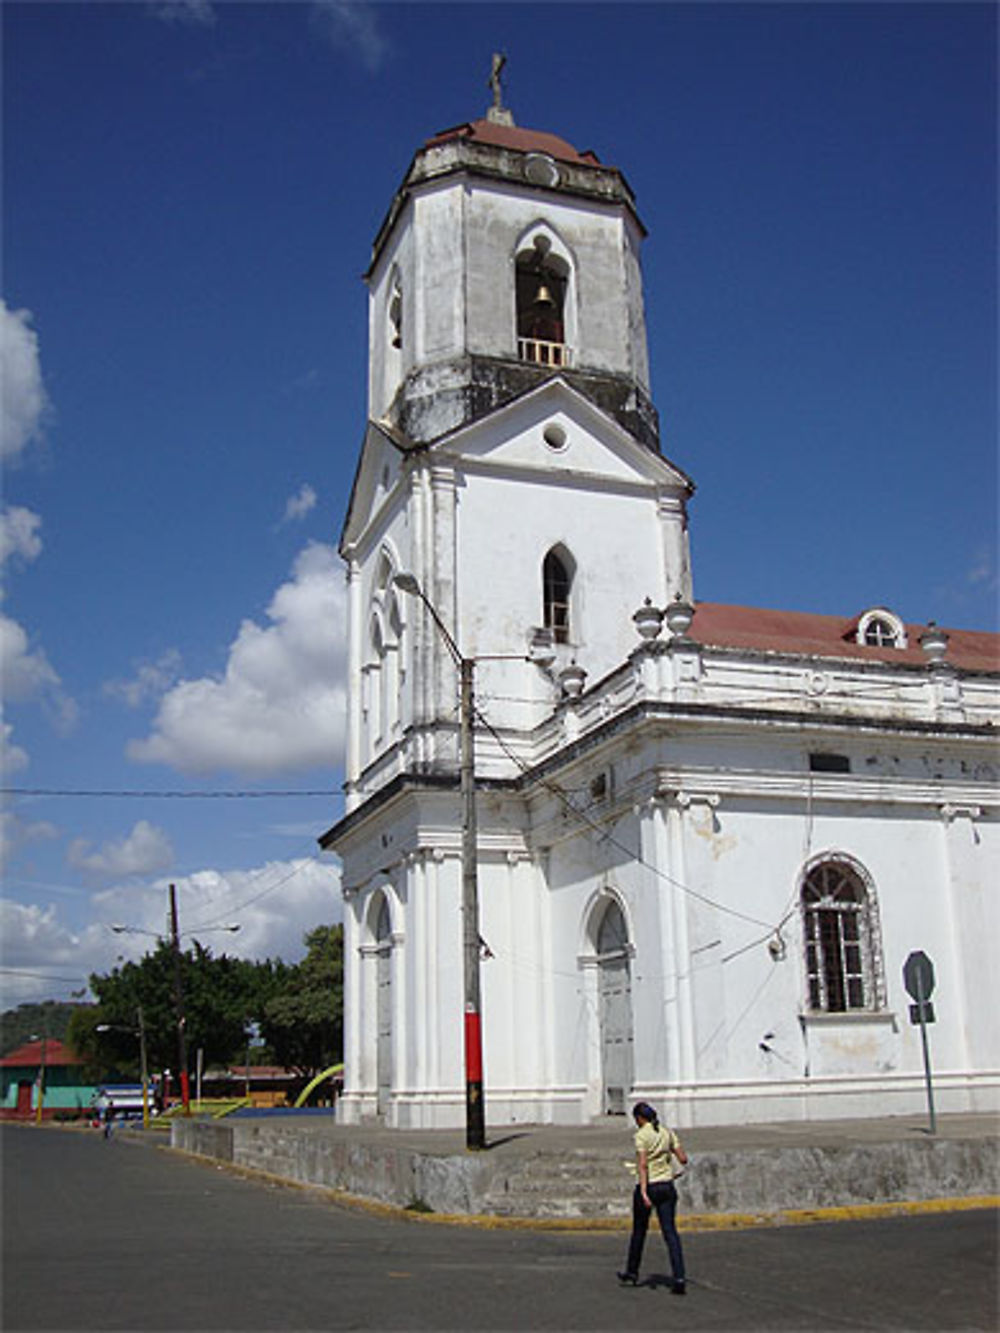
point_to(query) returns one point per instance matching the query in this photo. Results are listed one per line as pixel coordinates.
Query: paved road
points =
(108, 1236)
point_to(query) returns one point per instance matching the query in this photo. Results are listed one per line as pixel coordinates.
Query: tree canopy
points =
(297, 1008)
(303, 1019)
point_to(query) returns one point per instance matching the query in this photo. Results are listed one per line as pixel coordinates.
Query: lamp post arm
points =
(411, 584)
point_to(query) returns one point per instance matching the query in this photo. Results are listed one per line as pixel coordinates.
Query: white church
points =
(708, 836)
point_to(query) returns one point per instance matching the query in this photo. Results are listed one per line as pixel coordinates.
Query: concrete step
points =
(580, 1185)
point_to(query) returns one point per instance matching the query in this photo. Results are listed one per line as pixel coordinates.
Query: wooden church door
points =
(615, 1008)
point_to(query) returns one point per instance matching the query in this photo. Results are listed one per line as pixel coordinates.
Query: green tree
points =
(303, 1020)
(220, 995)
(299, 1009)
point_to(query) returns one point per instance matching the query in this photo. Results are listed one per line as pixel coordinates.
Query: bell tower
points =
(510, 510)
(506, 257)
(511, 462)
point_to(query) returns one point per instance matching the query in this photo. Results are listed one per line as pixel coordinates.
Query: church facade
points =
(709, 836)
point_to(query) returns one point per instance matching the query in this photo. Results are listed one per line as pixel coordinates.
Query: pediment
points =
(557, 433)
(379, 466)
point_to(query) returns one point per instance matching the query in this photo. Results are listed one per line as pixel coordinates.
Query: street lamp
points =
(144, 1068)
(475, 1111)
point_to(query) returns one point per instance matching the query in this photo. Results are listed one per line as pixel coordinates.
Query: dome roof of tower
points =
(513, 136)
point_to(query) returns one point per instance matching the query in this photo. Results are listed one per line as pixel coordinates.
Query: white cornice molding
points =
(684, 788)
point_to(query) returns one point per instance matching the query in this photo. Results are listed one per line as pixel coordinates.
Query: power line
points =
(234, 911)
(38, 976)
(606, 835)
(197, 795)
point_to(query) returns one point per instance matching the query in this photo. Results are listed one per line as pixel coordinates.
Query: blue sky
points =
(190, 195)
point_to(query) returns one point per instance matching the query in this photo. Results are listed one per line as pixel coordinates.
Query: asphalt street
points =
(106, 1236)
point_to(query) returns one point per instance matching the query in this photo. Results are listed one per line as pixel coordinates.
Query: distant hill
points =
(50, 1018)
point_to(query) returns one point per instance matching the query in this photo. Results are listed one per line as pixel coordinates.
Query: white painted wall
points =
(710, 814)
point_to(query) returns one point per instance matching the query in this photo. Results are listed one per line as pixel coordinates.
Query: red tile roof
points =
(512, 136)
(56, 1053)
(755, 628)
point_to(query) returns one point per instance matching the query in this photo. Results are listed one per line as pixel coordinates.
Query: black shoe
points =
(628, 1279)
(679, 1289)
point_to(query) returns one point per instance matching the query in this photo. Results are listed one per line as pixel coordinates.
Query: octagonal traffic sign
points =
(918, 976)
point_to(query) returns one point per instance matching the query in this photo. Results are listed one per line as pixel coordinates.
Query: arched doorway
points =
(615, 1009)
(383, 1009)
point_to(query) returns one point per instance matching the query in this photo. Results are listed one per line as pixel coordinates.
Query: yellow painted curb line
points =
(695, 1222)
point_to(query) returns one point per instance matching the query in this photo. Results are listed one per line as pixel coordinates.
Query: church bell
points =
(543, 298)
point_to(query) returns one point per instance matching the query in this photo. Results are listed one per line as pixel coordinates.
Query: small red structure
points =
(62, 1088)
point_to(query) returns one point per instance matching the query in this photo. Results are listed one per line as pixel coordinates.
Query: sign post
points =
(918, 978)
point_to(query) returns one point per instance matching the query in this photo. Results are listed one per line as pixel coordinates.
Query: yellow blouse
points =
(658, 1145)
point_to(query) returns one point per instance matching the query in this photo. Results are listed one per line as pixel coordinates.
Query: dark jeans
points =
(663, 1197)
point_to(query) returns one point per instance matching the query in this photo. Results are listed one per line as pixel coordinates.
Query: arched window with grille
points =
(557, 585)
(840, 923)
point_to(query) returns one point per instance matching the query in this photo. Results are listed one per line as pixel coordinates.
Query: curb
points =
(692, 1223)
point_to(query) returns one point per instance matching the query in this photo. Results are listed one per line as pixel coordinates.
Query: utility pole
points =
(475, 1116)
(175, 939)
(144, 1067)
(475, 1110)
(41, 1072)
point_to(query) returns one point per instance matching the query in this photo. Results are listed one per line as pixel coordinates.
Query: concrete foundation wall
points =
(595, 1183)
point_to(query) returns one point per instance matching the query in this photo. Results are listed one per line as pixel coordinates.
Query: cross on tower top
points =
(497, 112)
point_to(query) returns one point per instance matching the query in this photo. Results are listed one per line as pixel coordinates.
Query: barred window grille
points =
(841, 958)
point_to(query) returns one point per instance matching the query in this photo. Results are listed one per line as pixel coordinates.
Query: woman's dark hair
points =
(646, 1111)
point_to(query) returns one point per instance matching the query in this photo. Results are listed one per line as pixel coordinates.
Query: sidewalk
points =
(737, 1173)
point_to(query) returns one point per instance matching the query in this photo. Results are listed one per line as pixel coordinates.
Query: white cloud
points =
(12, 757)
(43, 957)
(298, 505)
(190, 13)
(144, 851)
(151, 680)
(274, 905)
(353, 27)
(16, 833)
(23, 402)
(983, 570)
(19, 534)
(281, 703)
(28, 675)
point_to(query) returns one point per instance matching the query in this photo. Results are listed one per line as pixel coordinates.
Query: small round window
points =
(554, 436)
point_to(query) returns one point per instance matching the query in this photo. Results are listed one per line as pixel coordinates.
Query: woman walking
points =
(656, 1150)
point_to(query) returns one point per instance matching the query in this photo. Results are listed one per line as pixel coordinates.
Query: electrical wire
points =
(248, 902)
(38, 976)
(130, 793)
(610, 838)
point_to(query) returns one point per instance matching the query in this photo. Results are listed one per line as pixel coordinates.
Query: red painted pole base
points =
(475, 1111)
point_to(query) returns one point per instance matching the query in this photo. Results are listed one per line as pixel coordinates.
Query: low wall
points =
(754, 1180)
(307, 1155)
